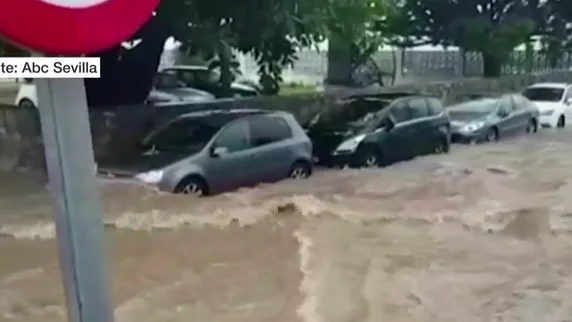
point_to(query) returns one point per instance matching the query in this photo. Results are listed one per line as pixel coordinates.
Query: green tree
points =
(557, 30)
(353, 36)
(491, 27)
(269, 29)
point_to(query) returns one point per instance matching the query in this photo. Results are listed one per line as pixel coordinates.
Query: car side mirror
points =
(568, 101)
(502, 113)
(218, 151)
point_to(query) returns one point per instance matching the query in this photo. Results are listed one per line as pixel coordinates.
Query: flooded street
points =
(481, 234)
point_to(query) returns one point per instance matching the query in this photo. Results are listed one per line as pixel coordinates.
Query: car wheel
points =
(26, 103)
(561, 122)
(532, 126)
(300, 170)
(192, 186)
(368, 158)
(492, 135)
(442, 146)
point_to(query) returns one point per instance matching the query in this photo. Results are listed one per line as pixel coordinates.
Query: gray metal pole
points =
(79, 225)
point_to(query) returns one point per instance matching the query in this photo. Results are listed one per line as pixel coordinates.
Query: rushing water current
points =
(480, 234)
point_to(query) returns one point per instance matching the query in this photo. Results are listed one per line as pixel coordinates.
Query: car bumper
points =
(337, 160)
(468, 137)
(548, 121)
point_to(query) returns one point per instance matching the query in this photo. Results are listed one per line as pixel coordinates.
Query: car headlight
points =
(150, 177)
(350, 145)
(547, 112)
(473, 126)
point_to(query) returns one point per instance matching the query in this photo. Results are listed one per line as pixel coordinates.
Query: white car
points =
(554, 102)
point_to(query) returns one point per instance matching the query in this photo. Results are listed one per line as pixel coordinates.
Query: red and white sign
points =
(72, 27)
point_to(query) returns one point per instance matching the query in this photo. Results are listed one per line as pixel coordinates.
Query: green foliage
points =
(354, 36)
(271, 30)
(558, 28)
(491, 27)
(9, 50)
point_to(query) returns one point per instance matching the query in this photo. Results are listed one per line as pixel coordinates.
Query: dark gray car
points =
(215, 151)
(168, 88)
(491, 118)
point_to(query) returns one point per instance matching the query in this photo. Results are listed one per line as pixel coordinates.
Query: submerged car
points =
(378, 130)
(491, 118)
(214, 151)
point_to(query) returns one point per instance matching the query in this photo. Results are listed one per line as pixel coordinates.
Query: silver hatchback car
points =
(214, 151)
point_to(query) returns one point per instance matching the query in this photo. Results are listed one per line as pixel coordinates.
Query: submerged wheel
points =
(26, 103)
(443, 146)
(492, 135)
(300, 170)
(561, 122)
(368, 158)
(193, 186)
(532, 126)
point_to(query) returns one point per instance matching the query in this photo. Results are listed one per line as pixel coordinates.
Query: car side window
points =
(568, 94)
(418, 107)
(268, 129)
(521, 102)
(435, 106)
(182, 134)
(506, 104)
(400, 112)
(234, 137)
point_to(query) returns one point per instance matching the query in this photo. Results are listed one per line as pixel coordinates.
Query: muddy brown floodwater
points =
(481, 234)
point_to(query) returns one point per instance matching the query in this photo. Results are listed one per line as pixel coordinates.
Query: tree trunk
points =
(491, 66)
(127, 75)
(528, 57)
(225, 56)
(339, 62)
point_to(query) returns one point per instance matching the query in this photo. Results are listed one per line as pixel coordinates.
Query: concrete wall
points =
(117, 130)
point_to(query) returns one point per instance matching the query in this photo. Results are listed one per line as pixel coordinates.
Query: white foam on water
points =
(308, 310)
(442, 238)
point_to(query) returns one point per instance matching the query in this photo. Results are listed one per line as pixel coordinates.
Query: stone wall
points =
(117, 130)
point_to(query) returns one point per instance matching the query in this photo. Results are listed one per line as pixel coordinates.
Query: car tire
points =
(26, 103)
(192, 186)
(368, 158)
(492, 135)
(443, 146)
(532, 126)
(561, 122)
(300, 170)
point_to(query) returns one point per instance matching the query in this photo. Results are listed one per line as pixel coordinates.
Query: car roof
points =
(188, 67)
(219, 117)
(380, 96)
(550, 85)
(470, 104)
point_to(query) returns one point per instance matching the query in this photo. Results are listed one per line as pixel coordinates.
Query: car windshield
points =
(354, 115)
(473, 109)
(543, 94)
(184, 136)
